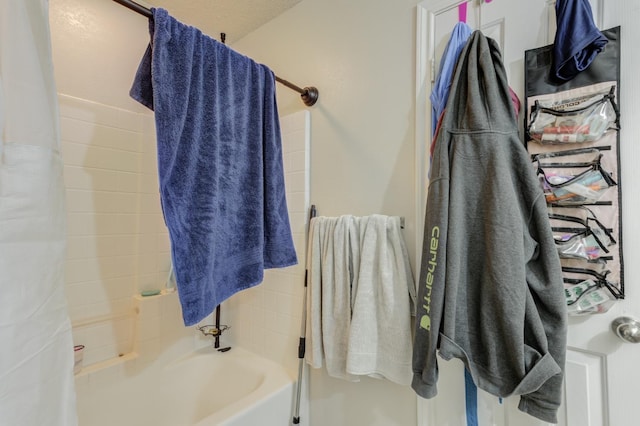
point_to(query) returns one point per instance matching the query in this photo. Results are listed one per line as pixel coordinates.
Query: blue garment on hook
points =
(219, 162)
(440, 93)
(578, 41)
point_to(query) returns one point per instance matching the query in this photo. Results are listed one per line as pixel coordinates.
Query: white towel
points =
(380, 343)
(329, 306)
(314, 353)
(361, 300)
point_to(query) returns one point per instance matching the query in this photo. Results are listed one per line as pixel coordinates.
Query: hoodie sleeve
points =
(431, 290)
(544, 277)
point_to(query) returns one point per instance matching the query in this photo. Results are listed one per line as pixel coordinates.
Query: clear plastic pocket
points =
(573, 177)
(587, 298)
(580, 246)
(552, 125)
(583, 242)
(588, 291)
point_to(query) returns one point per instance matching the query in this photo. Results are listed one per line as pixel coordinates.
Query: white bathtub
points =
(205, 388)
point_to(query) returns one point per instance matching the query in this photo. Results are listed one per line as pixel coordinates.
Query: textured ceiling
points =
(236, 18)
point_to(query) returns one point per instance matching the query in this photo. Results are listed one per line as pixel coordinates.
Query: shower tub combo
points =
(165, 378)
(203, 388)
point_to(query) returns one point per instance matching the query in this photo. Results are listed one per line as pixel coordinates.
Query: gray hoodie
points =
(490, 290)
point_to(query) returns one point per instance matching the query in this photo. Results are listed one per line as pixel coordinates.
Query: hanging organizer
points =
(572, 132)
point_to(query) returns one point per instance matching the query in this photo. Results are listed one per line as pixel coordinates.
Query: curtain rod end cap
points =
(310, 96)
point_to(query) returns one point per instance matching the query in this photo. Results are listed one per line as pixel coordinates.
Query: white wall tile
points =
(120, 289)
(106, 223)
(82, 271)
(127, 223)
(78, 247)
(147, 263)
(148, 282)
(164, 244)
(149, 183)
(127, 182)
(102, 151)
(82, 109)
(115, 245)
(76, 131)
(114, 202)
(130, 121)
(113, 307)
(147, 243)
(147, 223)
(149, 203)
(74, 153)
(79, 177)
(148, 160)
(80, 200)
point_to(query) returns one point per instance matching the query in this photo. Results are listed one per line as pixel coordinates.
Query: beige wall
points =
(360, 55)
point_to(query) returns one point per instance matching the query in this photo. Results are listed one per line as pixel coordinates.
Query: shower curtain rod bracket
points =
(309, 95)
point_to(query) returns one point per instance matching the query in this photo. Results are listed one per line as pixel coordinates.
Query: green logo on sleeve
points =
(425, 320)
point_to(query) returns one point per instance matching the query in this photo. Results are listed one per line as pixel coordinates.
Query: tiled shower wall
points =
(117, 242)
(118, 245)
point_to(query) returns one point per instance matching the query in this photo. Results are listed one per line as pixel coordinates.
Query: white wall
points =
(360, 55)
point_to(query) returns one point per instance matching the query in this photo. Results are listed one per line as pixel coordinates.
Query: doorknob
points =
(627, 328)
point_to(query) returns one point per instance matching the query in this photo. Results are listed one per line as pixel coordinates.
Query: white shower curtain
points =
(36, 348)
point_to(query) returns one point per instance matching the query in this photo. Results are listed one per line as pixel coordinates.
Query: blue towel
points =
(578, 41)
(219, 163)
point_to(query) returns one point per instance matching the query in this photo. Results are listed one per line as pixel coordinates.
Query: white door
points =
(602, 385)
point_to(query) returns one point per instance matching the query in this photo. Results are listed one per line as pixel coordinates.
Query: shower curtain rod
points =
(309, 95)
